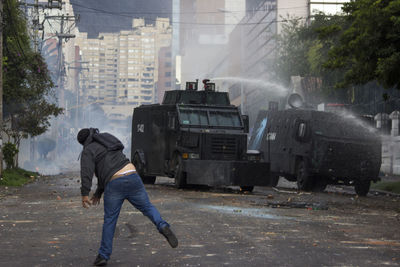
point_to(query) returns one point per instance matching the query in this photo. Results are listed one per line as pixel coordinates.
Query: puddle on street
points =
(250, 212)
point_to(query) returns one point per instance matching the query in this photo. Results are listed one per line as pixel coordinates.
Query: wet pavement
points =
(43, 224)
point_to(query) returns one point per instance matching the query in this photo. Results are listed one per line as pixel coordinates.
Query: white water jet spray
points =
(357, 121)
(273, 88)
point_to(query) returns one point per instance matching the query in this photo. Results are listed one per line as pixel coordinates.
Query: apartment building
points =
(123, 67)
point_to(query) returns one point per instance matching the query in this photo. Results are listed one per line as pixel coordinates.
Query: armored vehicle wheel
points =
(274, 180)
(246, 188)
(148, 179)
(140, 169)
(180, 175)
(362, 187)
(304, 181)
(319, 184)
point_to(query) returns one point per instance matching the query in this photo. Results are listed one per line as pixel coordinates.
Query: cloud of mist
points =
(64, 157)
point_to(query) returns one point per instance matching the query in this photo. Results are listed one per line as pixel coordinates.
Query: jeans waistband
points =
(115, 176)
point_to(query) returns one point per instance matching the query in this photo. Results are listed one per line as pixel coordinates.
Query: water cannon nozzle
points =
(205, 81)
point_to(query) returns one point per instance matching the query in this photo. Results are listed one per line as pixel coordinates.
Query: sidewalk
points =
(389, 177)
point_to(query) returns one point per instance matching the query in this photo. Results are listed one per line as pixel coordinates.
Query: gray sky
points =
(112, 16)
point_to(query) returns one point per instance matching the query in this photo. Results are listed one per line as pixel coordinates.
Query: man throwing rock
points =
(117, 178)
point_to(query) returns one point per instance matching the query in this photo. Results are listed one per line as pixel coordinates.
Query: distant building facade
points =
(201, 36)
(123, 67)
(166, 73)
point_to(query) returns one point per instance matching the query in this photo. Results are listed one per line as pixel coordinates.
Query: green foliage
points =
(369, 49)
(388, 186)
(9, 152)
(314, 57)
(28, 93)
(346, 51)
(292, 52)
(304, 49)
(17, 177)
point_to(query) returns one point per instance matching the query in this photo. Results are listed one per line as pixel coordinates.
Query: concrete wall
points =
(390, 142)
(391, 155)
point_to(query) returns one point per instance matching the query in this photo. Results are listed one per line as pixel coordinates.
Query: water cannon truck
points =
(196, 137)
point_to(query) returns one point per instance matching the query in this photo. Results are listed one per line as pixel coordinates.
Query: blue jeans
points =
(128, 187)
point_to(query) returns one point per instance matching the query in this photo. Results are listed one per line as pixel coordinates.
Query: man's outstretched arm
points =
(87, 172)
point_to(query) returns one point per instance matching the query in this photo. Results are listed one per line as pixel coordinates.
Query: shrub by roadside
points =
(17, 177)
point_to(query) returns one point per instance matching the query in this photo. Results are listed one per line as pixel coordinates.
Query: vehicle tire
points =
(304, 181)
(246, 188)
(148, 179)
(140, 169)
(319, 184)
(362, 187)
(273, 182)
(180, 175)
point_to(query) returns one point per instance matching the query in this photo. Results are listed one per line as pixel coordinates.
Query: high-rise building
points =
(248, 59)
(123, 66)
(251, 52)
(201, 36)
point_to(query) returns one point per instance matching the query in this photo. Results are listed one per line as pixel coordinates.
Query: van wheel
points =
(180, 175)
(140, 169)
(274, 180)
(304, 181)
(362, 187)
(246, 188)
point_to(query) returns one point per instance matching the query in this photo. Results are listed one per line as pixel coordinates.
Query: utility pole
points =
(1, 86)
(62, 36)
(78, 78)
(60, 79)
(61, 66)
(36, 26)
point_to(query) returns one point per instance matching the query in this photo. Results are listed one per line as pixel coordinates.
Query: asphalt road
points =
(43, 224)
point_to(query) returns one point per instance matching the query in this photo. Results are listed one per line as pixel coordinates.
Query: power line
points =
(129, 15)
(180, 13)
(173, 13)
(190, 26)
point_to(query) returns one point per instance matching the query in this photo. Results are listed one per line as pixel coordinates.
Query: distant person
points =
(117, 178)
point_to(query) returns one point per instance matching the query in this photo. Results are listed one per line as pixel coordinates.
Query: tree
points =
(292, 51)
(9, 151)
(28, 91)
(369, 49)
(304, 49)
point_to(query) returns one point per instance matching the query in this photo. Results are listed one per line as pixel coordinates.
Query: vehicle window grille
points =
(223, 147)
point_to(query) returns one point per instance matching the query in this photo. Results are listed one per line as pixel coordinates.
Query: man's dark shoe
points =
(100, 261)
(170, 236)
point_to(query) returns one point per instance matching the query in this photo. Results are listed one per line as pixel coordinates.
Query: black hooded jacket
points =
(101, 155)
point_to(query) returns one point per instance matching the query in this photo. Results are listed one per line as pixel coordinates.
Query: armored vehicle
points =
(197, 137)
(317, 148)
